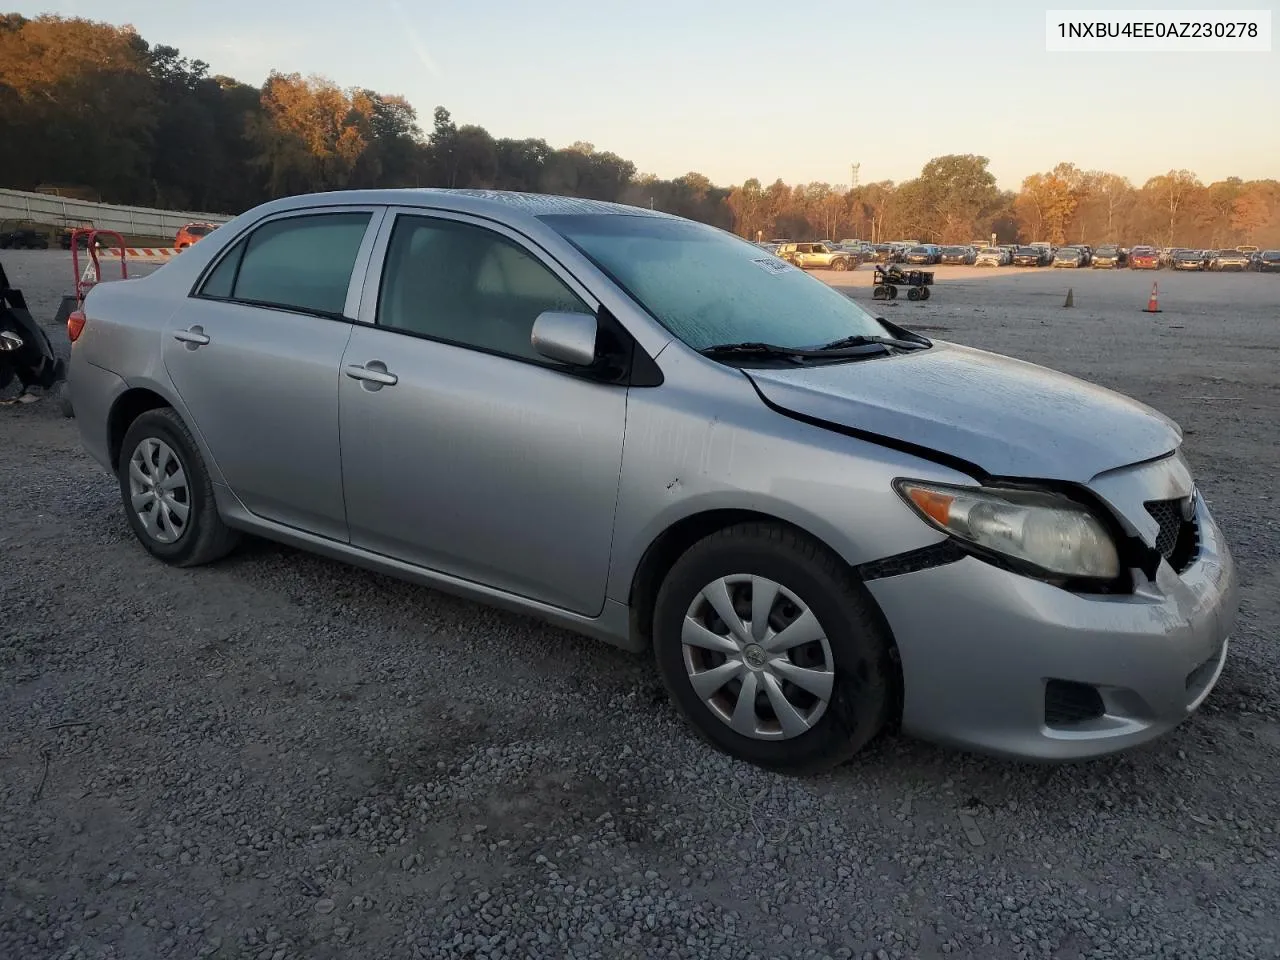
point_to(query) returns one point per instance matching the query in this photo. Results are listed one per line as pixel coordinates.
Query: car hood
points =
(1007, 417)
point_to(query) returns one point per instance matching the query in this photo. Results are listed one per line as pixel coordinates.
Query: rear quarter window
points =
(301, 263)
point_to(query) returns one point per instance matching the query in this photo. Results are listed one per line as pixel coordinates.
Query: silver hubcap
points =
(757, 656)
(158, 490)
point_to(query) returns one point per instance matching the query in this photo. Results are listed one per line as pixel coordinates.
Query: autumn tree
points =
(1172, 193)
(95, 110)
(1256, 208)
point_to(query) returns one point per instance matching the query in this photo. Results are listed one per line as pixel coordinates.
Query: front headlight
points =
(1046, 530)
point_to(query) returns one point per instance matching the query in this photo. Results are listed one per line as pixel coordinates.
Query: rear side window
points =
(298, 263)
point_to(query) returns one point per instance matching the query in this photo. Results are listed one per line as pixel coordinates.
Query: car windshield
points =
(1107, 251)
(199, 230)
(1230, 253)
(1271, 255)
(1066, 253)
(918, 250)
(953, 251)
(709, 287)
(1029, 251)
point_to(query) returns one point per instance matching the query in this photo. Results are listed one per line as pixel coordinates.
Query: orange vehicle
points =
(192, 232)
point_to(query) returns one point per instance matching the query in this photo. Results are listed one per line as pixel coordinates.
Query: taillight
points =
(75, 325)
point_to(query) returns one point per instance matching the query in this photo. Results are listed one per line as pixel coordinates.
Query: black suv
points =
(23, 239)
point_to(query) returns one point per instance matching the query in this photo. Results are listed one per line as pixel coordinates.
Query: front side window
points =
(297, 263)
(468, 285)
(708, 287)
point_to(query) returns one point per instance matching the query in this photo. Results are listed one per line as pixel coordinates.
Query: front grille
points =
(1067, 703)
(1178, 540)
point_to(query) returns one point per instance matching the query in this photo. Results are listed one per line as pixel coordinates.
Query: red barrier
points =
(83, 282)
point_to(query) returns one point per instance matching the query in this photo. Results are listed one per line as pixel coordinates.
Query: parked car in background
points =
(923, 254)
(1221, 260)
(1069, 257)
(1269, 261)
(992, 257)
(816, 256)
(1109, 257)
(1187, 260)
(544, 438)
(23, 239)
(1086, 253)
(191, 233)
(1028, 257)
(1144, 258)
(959, 255)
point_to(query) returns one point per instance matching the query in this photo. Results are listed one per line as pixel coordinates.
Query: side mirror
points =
(565, 337)
(9, 341)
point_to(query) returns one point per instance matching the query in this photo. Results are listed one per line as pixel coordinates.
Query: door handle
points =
(372, 374)
(194, 336)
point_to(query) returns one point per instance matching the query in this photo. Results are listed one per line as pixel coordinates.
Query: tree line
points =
(94, 109)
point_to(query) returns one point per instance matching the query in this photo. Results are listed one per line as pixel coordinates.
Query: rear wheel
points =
(167, 493)
(771, 650)
(840, 265)
(913, 293)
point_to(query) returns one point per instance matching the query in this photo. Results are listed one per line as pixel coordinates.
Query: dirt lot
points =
(279, 756)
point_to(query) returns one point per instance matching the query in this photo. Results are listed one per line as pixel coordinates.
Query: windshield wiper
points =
(861, 341)
(856, 347)
(751, 348)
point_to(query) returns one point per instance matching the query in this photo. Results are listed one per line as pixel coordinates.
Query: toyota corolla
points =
(647, 430)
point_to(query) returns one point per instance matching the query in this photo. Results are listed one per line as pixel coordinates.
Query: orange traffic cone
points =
(1153, 302)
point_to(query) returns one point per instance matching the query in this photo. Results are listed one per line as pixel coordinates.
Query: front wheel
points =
(167, 493)
(771, 650)
(840, 265)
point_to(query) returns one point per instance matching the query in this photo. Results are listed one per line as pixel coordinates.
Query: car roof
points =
(507, 204)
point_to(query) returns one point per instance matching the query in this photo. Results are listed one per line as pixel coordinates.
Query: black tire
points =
(204, 538)
(840, 265)
(861, 694)
(913, 293)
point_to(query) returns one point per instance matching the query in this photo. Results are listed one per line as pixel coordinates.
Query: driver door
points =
(463, 450)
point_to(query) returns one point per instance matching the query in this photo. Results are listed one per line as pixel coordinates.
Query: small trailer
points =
(889, 277)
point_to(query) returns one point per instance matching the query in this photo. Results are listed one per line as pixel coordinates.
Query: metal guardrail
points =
(67, 212)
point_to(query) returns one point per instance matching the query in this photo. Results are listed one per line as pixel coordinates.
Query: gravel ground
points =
(282, 757)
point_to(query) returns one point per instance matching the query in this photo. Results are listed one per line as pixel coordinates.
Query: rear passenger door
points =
(255, 354)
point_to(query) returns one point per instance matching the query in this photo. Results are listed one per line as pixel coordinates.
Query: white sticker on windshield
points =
(773, 265)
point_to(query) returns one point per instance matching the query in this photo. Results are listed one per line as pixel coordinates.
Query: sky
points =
(758, 88)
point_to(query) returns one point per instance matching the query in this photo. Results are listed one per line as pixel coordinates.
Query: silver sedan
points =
(653, 432)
